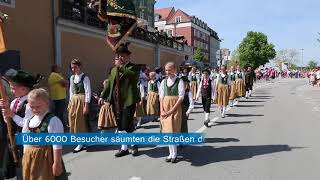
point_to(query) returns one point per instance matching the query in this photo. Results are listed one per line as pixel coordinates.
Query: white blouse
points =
(86, 83)
(170, 82)
(54, 126)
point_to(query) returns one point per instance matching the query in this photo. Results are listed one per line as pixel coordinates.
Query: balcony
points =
(81, 13)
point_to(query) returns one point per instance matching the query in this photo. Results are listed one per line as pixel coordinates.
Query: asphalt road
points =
(274, 135)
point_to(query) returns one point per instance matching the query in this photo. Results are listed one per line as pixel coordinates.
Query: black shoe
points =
(174, 160)
(168, 159)
(82, 148)
(122, 153)
(206, 123)
(134, 150)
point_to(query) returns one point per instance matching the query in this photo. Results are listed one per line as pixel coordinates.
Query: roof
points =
(164, 12)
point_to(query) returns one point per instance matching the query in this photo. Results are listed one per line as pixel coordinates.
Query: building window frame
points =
(178, 19)
(11, 3)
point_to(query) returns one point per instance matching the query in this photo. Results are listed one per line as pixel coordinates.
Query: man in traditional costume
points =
(250, 77)
(125, 107)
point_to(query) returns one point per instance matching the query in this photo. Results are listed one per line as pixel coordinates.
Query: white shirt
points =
(54, 126)
(318, 74)
(86, 84)
(170, 82)
(141, 88)
(200, 87)
(149, 84)
(28, 112)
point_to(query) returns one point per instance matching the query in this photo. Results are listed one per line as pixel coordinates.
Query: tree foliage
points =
(286, 55)
(312, 65)
(255, 50)
(198, 55)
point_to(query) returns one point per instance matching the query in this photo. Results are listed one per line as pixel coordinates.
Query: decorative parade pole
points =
(3, 94)
(121, 19)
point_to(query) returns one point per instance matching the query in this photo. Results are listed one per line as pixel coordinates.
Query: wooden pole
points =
(13, 145)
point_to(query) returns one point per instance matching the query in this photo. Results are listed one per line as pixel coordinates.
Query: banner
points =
(121, 19)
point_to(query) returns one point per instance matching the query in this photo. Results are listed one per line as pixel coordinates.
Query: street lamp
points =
(301, 58)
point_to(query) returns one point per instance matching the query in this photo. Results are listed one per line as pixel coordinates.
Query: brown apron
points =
(76, 118)
(241, 90)
(194, 89)
(140, 112)
(106, 117)
(171, 124)
(233, 90)
(223, 95)
(153, 105)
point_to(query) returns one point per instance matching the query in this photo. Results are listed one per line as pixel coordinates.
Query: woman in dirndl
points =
(240, 83)
(80, 97)
(233, 86)
(153, 104)
(194, 82)
(171, 95)
(223, 84)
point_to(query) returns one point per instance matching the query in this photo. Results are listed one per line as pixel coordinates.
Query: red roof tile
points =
(164, 12)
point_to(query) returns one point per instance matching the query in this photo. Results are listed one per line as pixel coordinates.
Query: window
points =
(178, 19)
(9, 3)
(195, 32)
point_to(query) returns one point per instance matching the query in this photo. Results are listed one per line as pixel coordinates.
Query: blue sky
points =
(287, 23)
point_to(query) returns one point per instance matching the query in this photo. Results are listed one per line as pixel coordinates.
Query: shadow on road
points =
(204, 155)
(231, 123)
(220, 140)
(249, 105)
(252, 101)
(244, 115)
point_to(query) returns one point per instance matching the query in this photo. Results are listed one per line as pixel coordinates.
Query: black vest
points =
(206, 90)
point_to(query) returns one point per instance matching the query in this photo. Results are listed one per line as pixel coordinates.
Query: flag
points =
(121, 19)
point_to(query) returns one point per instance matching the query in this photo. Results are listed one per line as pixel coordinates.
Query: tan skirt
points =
(223, 95)
(241, 90)
(194, 89)
(76, 118)
(106, 117)
(171, 124)
(153, 105)
(37, 163)
(233, 90)
(140, 112)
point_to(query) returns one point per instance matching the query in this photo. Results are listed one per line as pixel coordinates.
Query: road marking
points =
(135, 178)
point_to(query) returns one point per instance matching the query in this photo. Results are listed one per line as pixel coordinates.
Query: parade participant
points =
(207, 91)
(124, 106)
(233, 87)
(21, 83)
(241, 91)
(187, 105)
(42, 162)
(194, 82)
(171, 95)
(5, 170)
(140, 110)
(80, 97)
(214, 74)
(222, 89)
(250, 77)
(153, 103)
(58, 92)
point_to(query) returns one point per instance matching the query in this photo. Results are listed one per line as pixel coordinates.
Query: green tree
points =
(286, 55)
(198, 55)
(234, 59)
(255, 50)
(312, 65)
(293, 67)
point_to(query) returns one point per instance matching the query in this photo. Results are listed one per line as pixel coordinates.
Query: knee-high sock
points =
(250, 92)
(170, 151)
(174, 151)
(139, 121)
(123, 147)
(206, 116)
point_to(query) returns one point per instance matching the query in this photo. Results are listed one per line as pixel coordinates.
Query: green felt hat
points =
(123, 48)
(24, 79)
